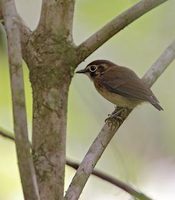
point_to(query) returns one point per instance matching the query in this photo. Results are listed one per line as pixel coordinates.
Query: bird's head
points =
(96, 68)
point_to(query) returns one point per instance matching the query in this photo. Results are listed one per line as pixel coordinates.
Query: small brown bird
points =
(119, 85)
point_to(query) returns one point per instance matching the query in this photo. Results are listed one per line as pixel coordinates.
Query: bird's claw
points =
(116, 118)
(113, 121)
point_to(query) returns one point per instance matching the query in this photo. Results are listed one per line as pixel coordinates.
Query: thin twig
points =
(114, 26)
(100, 143)
(25, 162)
(127, 188)
(6, 134)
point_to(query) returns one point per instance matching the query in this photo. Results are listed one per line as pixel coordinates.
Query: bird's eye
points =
(92, 68)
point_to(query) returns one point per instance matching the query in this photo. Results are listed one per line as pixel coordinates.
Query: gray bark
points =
(25, 162)
(50, 56)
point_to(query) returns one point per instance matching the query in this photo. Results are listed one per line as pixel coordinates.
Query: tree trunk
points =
(50, 78)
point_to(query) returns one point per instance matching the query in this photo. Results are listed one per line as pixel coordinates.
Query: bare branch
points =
(25, 162)
(160, 65)
(127, 188)
(114, 26)
(90, 160)
(107, 132)
(6, 134)
(57, 17)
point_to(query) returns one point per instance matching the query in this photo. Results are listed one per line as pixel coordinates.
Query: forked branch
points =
(57, 17)
(100, 143)
(25, 32)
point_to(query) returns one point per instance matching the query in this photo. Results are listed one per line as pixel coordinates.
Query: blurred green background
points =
(143, 152)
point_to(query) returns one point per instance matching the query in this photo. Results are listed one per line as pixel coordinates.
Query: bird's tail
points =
(156, 105)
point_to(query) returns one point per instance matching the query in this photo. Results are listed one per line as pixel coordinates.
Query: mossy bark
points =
(49, 64)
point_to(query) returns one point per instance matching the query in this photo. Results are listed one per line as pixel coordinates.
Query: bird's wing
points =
(128, 85)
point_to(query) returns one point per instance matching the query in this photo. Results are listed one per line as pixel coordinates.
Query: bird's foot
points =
(116, 118)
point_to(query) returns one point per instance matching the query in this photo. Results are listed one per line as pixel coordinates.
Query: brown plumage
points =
(119, 85)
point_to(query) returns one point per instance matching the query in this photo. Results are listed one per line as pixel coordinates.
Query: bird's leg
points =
(118, 113)
(117, 117)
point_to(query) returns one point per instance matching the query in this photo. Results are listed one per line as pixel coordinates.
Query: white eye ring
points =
(92, 68)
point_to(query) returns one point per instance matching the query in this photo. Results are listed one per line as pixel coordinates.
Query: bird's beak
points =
(82, 71)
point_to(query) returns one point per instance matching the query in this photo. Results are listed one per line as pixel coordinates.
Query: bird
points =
(119, 85)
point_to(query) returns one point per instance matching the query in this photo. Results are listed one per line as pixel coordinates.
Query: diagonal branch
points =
(57, 17)
(107, 132)
(6, 134)
(114, 26)
(25, 162)
(160, 65)
(127, 188)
